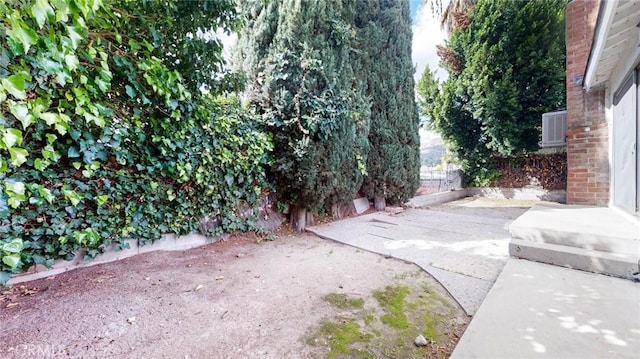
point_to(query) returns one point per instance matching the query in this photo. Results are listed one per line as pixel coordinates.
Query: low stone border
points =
(436, 198)
(525, 193)
(168, 242)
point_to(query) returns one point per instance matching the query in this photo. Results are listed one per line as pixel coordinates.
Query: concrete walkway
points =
(537, 310)
(533, 310)
(463, 244)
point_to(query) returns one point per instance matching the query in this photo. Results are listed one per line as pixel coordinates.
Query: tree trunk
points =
(298, 218)
(379, 202)
(310, 221)
(335, 212)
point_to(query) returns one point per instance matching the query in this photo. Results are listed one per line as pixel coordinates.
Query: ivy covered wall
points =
(104, 133)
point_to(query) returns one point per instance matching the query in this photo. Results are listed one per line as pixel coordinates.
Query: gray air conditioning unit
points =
(554, 127)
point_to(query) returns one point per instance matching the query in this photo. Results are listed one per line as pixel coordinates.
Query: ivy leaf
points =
(16, 193)
(62, 10)
(102, 84)
(49, 153)
(14, 84)
(3, 166)
(75, 35)
(48, 117)
(62, 128)
(98, 120)
(51, 66)
(63, 77)
(21, 112)
(229, 179)
(130, 91)
(73, 152)
(24, 36)
(41, 10)
(100, 200)
(4, 209)
(40, 164)
(14, 188)
(15, 246)
(51, 138)
(12, 136)
(18, 156)
(46, 194)
(72, 196)
(11, 260)
(71, 61)
(62, 124)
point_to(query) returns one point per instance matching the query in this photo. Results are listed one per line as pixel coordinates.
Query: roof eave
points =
(603, 25)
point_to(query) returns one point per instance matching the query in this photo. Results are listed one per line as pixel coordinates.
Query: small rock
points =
(420, 341)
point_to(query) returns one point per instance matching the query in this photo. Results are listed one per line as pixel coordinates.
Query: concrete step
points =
(593, 239)
(598, 228)
(614, 264)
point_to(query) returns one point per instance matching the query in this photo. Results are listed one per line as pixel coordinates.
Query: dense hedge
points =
(547, 171)
(102, 139)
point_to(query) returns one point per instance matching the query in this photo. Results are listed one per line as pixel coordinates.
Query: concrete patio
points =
(463, 244)
(533, 310)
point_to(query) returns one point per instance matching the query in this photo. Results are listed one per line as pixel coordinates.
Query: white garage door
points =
(625, 160)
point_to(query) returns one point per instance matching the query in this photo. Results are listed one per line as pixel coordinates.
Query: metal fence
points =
(434, 181)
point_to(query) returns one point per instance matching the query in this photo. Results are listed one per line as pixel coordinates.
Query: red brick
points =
(587, 150)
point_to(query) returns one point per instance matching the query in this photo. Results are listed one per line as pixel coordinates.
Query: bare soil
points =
(238, 299)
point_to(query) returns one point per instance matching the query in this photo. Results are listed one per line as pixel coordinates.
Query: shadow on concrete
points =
(536, 310)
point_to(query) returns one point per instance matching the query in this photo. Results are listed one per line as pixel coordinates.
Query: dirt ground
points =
(296, 297)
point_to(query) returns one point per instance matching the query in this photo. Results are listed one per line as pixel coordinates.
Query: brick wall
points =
(587, 132)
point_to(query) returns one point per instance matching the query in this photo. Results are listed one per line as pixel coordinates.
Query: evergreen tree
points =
(393, 164)
(298, 60)
(506, 66)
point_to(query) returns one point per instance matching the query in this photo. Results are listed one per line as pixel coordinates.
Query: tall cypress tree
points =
(393, 164)
(298, 59)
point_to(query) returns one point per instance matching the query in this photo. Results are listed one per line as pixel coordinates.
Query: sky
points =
(426, 35)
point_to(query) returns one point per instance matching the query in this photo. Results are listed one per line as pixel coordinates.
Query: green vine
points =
(103, 139)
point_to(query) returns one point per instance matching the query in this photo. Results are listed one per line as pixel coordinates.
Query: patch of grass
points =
(431, 327)
(340, 337)
(369, 318)
(342, 301)
(387, 330)
(392, 300)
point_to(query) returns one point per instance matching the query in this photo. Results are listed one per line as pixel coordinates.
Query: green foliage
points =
(183, 35)
(342, 301)
(299, 66)
(506, 69)
(102, 138)
(392, 299)
(341, 337)
(393, 163)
